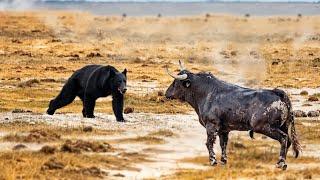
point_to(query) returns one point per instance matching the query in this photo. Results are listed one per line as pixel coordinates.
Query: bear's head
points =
(119, 81)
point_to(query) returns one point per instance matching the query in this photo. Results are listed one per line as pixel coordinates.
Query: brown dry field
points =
(49, 46)
(40, 50)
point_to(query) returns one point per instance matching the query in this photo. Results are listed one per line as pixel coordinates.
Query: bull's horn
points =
(181, 66)
(178, 77)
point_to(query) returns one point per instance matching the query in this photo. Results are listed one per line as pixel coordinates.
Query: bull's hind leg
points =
(211, 138)
(284, 129)
(223, 137)
(282, 137)
(65, 97)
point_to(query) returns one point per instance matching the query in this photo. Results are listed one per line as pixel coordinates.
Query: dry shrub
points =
(163, 133)
(33, 136)
(313, 98)
(160, 93)
(28, 83)
(52, 164)
(48, 149)
(19, 147)
(299, 113)
(313, 114)
(88, 129)
(80, 145)
(304, 93)
(47, 80)
(128, 110)
(93, 54)
(91, 171)
(21, 111)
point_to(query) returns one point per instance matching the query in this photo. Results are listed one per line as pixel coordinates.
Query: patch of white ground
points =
(301, 102)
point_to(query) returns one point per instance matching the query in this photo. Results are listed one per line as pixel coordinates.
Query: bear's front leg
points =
(117, 106)
(88, 107)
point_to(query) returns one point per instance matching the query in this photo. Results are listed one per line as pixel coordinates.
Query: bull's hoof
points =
(223, 161)
(281, 165)
(213, 162)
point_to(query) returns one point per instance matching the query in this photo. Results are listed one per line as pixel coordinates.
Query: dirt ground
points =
(147, 146)
(162, 139)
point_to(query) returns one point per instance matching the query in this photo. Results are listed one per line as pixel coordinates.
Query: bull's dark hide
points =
(223, 107)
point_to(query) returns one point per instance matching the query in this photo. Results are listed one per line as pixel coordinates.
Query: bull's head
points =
(182, 82)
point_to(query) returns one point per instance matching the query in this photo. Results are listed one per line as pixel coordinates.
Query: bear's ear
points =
(124, 72)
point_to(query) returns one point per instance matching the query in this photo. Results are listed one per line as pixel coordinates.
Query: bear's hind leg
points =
(66, 96)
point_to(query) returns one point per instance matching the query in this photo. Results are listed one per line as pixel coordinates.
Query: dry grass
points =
(317, 95)
(24, 127)
(33, 136)
(28, 165)
(310, 132)
(155, 137)
(255, 159)
(248, 170)
(143, 139)
(62, 160)
(38, 101)
(163, 133)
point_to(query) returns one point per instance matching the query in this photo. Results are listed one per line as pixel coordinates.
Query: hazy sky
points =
(190, 0)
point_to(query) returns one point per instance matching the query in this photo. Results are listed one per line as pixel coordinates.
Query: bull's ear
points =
(186, 83)
(124, 72)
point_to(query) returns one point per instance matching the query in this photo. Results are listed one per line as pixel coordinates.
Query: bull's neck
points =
(204, 92)
(195, 103)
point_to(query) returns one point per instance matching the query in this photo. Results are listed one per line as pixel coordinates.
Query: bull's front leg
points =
(211, 138)
(223, 137)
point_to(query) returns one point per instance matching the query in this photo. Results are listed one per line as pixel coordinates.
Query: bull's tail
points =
(294, 139)
(291, 128)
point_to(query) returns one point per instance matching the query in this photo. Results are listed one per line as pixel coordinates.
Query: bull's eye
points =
(186, 83)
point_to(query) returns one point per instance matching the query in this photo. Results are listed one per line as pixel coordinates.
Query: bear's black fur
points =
(89, 83)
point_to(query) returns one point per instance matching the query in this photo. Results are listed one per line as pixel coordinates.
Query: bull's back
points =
(248, 106)
(247, 98)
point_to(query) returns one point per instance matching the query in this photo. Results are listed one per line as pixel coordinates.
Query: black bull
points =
(224, 107)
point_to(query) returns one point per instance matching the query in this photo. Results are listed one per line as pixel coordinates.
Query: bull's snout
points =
(168, 95)
(170, 92)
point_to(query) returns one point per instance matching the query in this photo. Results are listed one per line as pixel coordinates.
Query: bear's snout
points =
(122, 91)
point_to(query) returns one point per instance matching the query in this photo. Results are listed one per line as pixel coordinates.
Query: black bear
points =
(89, 83)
